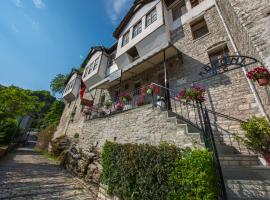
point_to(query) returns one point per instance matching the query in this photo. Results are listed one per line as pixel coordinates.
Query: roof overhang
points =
(146, 62)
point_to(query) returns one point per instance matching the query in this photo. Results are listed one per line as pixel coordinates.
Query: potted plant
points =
(119, 106)
(140, 102)
(160, 102)
(259, 74)
(150, 89)
(257, 136)
(125, 97)
(195, 93)
(108, 104)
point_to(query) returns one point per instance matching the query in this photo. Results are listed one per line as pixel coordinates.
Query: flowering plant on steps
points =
(260, 74)
(150, 89)
(125, 97)
(195, 93)
(119, 106)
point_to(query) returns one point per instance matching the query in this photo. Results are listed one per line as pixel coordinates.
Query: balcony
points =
(72, 88)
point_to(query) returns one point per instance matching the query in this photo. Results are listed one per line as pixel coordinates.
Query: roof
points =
(94, 49)
(73, 71)
(135, 7)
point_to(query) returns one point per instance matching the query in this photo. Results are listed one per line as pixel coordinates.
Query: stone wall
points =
(249, 24)
(142, 125)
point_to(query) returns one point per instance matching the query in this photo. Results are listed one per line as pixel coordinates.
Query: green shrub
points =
(138, 171)
(193, 177)
(44, 138)
(257, 136)
(8, 129)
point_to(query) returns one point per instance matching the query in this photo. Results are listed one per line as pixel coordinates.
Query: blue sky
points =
(41, 38)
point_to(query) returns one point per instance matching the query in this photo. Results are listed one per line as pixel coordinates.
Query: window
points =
(195, 2)
(178, 11)
(151, 17)
(85, 71)
(95, 64)
(111, 60)
(199, 28)
(133, 53)
(137, 29)
(217, 54)
(125, 39)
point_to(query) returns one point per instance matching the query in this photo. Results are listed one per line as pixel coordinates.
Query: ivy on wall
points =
(142, 171)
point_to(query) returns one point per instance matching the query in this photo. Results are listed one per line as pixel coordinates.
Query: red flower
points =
(258, 73)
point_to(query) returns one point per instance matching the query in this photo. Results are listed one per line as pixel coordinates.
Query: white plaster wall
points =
(141, 15)
(94, 76)
(74, 90)
(189, 16)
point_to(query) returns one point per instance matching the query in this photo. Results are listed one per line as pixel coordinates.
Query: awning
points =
(145, 62)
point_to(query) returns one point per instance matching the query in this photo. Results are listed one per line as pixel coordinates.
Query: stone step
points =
(238, 160)
(247, 183)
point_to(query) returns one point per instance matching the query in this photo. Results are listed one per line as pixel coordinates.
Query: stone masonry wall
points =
(249, 23)
(142, 125)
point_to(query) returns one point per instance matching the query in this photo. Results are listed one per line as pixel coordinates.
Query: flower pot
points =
(267, 158)
(127, 107)
(161, 104)
(263, 81)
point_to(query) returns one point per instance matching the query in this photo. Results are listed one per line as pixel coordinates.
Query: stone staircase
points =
(244, 175)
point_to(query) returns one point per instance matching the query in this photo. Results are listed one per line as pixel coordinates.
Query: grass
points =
(54, 159)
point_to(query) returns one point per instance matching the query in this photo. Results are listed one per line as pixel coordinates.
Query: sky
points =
(42, 38)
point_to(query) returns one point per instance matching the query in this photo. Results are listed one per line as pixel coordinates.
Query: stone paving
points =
(25, 174)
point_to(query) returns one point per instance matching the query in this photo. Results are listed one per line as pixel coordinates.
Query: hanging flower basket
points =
(259, 74)
(195, 93)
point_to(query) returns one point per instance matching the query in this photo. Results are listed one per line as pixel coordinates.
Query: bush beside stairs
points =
(245, 177)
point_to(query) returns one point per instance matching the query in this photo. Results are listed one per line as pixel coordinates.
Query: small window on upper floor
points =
(218, 56)
(151, 17)
(125, 39)
(137, 29)
(95, 64)
(179, 10)
(133, 53)
(85, 72)
(199, 28)
(195, 2)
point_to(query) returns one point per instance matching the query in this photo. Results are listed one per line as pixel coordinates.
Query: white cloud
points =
(18, 3)
(39, 4)
(116, 9)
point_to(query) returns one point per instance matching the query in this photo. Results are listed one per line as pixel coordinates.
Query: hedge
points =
(141, 171)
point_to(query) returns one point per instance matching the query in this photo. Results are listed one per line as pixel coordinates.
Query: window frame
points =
(180, 5)
(150, 13)
(138, 28)
(126, 35)
(201, 22)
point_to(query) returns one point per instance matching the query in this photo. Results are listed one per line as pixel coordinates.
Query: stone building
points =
(174, 44)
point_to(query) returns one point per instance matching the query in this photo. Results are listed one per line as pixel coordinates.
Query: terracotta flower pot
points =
(267, 158)
(263, 81)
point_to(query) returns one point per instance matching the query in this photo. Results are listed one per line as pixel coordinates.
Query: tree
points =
(18, 102)
(58, 83)
(14, 103)
(54, 114)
